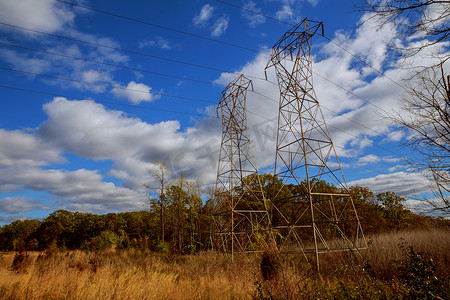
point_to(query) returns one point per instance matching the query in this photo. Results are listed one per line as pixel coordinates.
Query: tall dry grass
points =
(143, 275)
(126, 275)
(385, 249)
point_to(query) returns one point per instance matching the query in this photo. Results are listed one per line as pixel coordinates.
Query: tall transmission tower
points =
(240, 216)
(319, 216)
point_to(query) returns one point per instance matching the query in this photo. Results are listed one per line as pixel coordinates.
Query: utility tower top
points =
(294, 39)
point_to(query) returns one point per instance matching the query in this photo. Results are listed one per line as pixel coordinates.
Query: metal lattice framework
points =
(322, 221)
(240, 216)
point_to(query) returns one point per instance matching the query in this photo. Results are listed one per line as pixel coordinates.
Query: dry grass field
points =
(388, 270)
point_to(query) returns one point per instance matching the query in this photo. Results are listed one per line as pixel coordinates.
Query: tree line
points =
(179, 221)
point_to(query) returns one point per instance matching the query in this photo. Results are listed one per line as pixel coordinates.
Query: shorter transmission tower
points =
(240, 217)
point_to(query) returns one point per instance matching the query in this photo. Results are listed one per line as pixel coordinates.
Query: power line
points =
(140, 70)
(160, 26)
(330, 40)
(179, 61)
(66, 56)
(351, 93)
(207, 38)
(106, 85)
(156, 73)
(364, 62)
(106, 102)
(171, 111)
(117, 66)
(253, 12)
(341, 116)
(347, 133)
(126, 50)
(111, 65)
(340, 147)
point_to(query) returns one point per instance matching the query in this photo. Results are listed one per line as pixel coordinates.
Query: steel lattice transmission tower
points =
(319, 216)
(240, 216)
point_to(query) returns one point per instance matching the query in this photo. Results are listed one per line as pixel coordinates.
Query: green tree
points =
(18, 232)
(393, 207)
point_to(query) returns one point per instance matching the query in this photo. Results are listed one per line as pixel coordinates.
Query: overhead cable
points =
(159, 26)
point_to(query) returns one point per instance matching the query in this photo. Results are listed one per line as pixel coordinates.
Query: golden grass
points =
(126, 275)
(138, 275)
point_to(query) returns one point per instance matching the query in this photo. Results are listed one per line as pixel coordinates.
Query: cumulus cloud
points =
(220, 27)
(14, 205)
(354, 124)
(24, 149)
(157, 42)
(10, 218)
(25, 62)
(372, 158)
(48, 14)
(254, 19)
(204, 16)
(77, 187)
(91, 131)
(285, 13)
(135, 92)
(404, 184)
(51, 16)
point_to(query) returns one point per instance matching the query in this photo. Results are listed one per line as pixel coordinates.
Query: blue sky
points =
(99, 116)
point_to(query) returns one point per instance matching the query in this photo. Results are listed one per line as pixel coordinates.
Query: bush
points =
(269, 265)
(162, 247)
(21, 259)
(105, 240)
(418, 274)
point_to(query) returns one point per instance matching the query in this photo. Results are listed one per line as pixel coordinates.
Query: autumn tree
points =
(393, 206)
(162, 176)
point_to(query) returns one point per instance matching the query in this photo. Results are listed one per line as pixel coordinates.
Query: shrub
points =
(418, 274)
(269, 265)
(105, 240)
(21, 259)
(162, 247)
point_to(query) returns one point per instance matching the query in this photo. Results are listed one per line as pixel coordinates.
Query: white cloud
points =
(135, 92)
(38, 14)
(404, 184)
(254, 19)
(285, 13)
(99, 79)
(77, 187)
(313, 2)
(434, 18)
(23, 149)
(372, 158)
(25, 62)
(157, 42)
(10, 218)
(354, 124)
(220, 27)
(14, 205)
(88, 130)
(204, 16)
